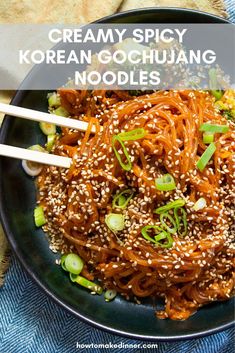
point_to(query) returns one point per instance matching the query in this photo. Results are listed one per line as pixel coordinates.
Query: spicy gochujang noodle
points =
(148, 202)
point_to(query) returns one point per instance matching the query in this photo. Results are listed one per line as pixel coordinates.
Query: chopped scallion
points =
(164, 216)
(82, 281)
(181, 221)
(72, 277)
(135, 134)
(145, 232)
(47, 128)
(218, 94)
(37, 148)
(170, 205)
(115, 222)
(158, 239)
(213, 78)
(208, 137)
(39, 217)
(165, 183)
(126, 136)
(206, 156)
(73, 264)
(110, 294)
(160, 236)
(164, 236)
(177, 218)
(213, 84)
(214, 128)
(62, 260)
(128, 165)
(121, 200)
(53, 100)
(61, 112)
(50, 142)
(31, 168)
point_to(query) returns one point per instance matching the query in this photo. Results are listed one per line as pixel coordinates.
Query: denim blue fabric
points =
(230, 5)
(30, 322)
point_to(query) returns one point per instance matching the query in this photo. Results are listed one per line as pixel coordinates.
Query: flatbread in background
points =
(56, 11)
(83, 11)
(215, 7)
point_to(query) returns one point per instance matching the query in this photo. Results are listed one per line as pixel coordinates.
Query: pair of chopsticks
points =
(34, 156)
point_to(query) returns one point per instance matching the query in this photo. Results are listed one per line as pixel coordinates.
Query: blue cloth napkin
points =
(230, 5)
(30, 322)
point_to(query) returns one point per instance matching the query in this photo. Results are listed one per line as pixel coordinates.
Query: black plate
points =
(17, 201)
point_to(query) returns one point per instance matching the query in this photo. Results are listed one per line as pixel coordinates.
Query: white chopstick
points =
(35, 156)
(35, 115)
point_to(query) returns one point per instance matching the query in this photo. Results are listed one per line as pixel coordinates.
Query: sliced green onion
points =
(53, 100)
(115, 222)
(61, 112)
(185, 224)
(37, 148)
(160, 236)
(128, 165)
(164, 216)
(213, 83)
(164, 236)
(200, 204)
(47, 128)
(39, 218)
(62, 260)
(120, 200)
(157, 240)
(146, 229)
(72, 277)
(206, 156)
(165, 183)
(93, 287)
(208, 137)
(135, 134)
(110, 294)
(214, 128)
(218, 94)
(213, 78)
(170, 205)
(73, 263)
(31, 168)
(50, 142)
(179, 220)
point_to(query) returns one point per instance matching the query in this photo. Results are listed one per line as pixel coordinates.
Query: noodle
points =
(198, 268)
